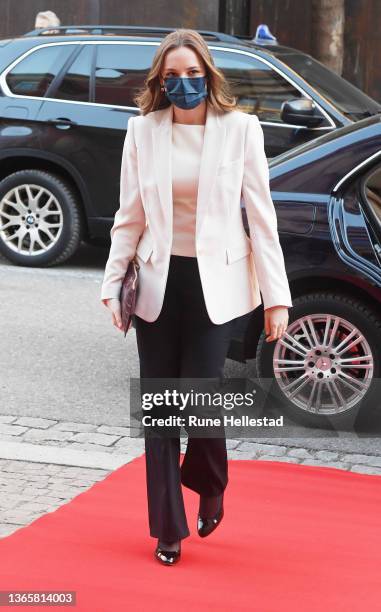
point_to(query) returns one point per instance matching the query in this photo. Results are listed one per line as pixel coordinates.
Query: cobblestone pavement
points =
(45, 463)
(29, 489)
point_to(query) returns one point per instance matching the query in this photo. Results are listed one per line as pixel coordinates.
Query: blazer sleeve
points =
(262, 220)
(129, 220)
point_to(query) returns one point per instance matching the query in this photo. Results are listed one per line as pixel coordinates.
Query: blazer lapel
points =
(213, 146)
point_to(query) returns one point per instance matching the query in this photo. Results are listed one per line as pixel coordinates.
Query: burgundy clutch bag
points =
(128, 293)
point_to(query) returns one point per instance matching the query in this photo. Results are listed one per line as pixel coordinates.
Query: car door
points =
(24, 84)
(95, 96)
(119, 72)
(83, 135)
(356, 224)
(261, 89)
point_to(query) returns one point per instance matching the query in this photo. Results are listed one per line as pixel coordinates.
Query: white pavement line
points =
(63, 456)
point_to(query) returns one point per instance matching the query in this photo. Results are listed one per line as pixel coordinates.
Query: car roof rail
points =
(121, 30)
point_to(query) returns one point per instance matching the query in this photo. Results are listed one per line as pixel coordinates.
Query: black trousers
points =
(182, 343)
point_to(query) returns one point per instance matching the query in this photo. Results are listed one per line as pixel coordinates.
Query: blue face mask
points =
(186, 92)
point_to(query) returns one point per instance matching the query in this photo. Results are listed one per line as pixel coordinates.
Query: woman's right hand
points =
(114, 305)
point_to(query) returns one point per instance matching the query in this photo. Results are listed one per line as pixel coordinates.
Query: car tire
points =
(59, 230)
(316, 307)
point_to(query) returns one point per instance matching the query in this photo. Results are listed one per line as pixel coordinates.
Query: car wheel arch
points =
(14, 161)
(304, 287)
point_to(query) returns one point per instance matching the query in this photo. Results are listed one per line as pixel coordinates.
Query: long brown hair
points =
(151, 98)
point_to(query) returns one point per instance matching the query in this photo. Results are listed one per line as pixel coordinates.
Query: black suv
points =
(66, 95)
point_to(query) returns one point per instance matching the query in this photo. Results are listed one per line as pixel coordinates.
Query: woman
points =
(187, 160)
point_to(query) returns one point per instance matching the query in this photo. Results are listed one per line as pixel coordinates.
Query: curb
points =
(63, 456)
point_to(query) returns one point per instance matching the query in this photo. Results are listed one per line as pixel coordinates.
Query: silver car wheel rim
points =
(323, 364)
(31, 219)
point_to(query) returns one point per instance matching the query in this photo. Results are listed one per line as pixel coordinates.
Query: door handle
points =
(61, 121)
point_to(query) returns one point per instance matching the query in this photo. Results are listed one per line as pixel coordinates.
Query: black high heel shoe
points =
(206, 525)
(167, 557)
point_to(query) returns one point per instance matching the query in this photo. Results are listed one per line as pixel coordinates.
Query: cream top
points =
(187, 142)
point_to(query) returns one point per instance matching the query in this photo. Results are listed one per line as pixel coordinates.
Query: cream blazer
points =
(234, 269)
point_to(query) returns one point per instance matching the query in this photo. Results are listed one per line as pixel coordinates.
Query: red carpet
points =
(294, 537)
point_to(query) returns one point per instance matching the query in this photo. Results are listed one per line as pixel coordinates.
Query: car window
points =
(342, 94)
(371, 189)
(75, 84)
(258, 87)
(120, 72)
(33, 74)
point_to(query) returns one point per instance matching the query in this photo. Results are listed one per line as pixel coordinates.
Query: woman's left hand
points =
(276, 322)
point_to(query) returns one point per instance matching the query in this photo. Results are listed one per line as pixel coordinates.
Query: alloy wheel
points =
(31, 219)
(323, 364)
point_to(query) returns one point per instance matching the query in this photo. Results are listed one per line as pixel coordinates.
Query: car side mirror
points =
(301, 112)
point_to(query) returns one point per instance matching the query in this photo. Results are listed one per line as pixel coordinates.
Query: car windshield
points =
(346, 97)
